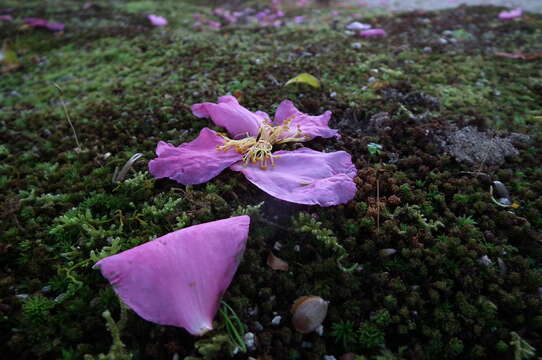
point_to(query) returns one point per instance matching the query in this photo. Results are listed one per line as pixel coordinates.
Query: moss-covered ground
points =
(127, 85)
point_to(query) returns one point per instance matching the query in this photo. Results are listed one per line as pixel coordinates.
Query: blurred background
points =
(528, 5)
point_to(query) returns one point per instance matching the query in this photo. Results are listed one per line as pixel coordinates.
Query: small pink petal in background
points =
(37, 23)
(195, 162)
(55, 26)
(157, 20)
(214, 24)
(229, 114)
(6, 18)
(299, 19)
(512, 14)
(179, 278)
(305, 176)
(373, 33)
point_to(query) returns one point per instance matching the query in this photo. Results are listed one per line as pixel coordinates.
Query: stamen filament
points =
(259, 148)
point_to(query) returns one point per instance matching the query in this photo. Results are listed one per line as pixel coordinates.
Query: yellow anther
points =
(259, 148)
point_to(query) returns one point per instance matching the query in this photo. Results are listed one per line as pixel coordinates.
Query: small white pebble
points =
(443, 41)
(356, 45)
(320, 330)
(333, 94)
(277, 246)
(175, 356)
(485, 260)
(249, 339)
(276, 320)
(22, 296)
(297, 248)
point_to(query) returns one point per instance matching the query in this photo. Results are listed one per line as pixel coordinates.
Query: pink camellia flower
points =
(302, 176)
(512, 14)
(179, 278)
(373, 32)
(157, 20)
(42, 23)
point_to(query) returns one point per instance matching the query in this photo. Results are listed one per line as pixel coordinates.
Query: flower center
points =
(259, 148)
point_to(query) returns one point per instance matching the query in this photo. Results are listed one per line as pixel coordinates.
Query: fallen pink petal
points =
(6, 18)
(373, 33)
(303, 176)
(42, 23)
(510, 15)
(178, 279)
(306, 177)
(156, 20)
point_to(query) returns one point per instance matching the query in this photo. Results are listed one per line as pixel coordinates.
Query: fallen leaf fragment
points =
(8, 58)
(276, 263)
(304, 78)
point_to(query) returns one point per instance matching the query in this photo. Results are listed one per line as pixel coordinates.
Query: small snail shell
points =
(276, 263)
(308, 313)
(501, 193)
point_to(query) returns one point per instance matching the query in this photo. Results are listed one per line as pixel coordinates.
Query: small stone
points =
(484, 260)
(357, 45)
(252, 311)
(387, 252)
(22, 296)
(320, 330)
(329, 357)
(502, 266)
(277, 246)
(333, 94)
(249, 339)
(443, 41)
(427, 49)
(297, 248)
(257, 326)
(276, 320)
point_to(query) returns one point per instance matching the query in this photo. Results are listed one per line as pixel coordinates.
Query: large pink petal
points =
(305, 176)
(310, 126)
(195, 162)
(228, 113)
(179, 278)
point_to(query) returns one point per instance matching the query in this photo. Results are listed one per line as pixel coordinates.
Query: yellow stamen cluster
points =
(259, 148)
